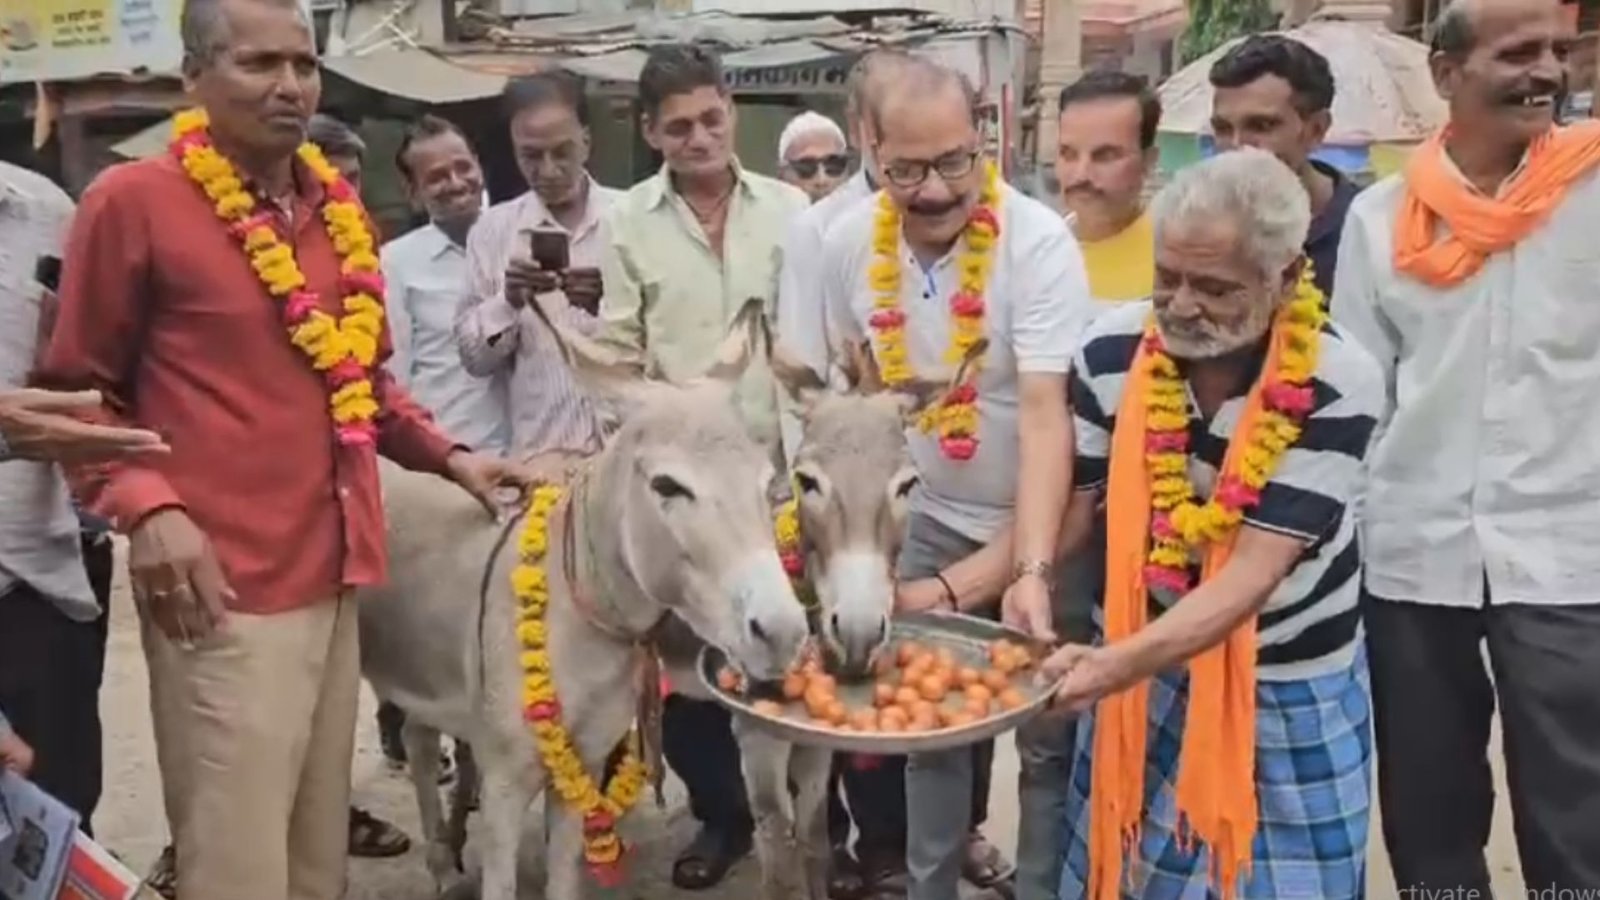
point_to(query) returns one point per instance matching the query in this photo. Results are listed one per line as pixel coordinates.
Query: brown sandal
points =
(373, 838)
(163, 878)
(984, 865)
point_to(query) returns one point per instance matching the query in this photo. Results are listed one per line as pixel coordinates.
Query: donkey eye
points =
(807, 483)
(904, 490)
(668, 488)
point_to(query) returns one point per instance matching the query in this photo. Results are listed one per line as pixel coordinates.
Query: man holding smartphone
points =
(546, 242)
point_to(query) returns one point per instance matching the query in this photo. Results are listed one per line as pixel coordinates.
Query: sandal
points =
(884, 873)
(845, 878)
(707, 859)
(163, 878)
(985, 866)
(373, 838)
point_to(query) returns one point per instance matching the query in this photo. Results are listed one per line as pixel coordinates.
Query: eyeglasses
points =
(909, 173)
(834, 164)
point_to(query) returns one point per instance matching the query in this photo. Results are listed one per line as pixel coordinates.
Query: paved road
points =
(132, 824)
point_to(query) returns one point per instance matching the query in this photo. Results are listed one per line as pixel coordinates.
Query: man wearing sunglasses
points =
(1031, 302)
(812, 154)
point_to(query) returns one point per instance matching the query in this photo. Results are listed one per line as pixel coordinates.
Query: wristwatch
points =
(1025, 567)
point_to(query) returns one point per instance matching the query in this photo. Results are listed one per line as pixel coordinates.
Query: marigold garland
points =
(344, 349)
(1178, 524)
(791, 552)
(602, 847)
(955, 418)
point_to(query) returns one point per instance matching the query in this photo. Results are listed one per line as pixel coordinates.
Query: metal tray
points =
(968, 638)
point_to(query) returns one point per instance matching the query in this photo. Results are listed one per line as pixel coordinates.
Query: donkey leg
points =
(508, 789)
(809, 767)
(422, 752)
(563, 831)
(463, 800)
(766, 770)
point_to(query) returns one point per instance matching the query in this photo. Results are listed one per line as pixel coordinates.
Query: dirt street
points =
(130, 820)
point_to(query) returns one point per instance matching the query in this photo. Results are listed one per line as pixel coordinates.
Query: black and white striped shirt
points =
(1311, 623)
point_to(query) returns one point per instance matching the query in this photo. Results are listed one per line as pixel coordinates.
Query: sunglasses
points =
(834, 164)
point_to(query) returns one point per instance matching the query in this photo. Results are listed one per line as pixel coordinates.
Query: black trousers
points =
(697, 740)
(50, 673)
(1433, 701)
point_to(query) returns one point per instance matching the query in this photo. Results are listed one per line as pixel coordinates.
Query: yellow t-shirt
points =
(1122, 267)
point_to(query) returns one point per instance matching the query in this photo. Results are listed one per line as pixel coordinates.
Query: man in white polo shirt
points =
(949, 254)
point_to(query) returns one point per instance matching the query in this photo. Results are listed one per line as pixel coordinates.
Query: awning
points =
(416, 75)
(147, 143)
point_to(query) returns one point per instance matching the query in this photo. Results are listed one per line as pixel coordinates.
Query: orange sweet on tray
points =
(916, 688)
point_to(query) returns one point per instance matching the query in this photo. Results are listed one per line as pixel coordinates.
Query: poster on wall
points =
(53, 40)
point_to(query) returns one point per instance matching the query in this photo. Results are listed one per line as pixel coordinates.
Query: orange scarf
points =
(1216, 788)
(1477, 226)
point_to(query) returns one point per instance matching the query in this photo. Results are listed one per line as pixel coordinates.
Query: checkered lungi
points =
(1313, 783)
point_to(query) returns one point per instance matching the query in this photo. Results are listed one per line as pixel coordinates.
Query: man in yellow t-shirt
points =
(1107, 149)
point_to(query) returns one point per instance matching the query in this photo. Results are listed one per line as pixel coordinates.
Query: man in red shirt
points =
(247, 538)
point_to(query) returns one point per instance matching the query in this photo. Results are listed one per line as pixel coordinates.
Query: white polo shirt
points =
(1037, 306)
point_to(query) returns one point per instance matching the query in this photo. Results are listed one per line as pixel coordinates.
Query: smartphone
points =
(47, 271)
(549, 249)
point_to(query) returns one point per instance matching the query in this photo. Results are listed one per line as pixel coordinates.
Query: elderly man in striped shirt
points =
(496, 332)
(1225, 423)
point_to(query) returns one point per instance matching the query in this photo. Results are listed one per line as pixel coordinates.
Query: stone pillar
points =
(1060, 64)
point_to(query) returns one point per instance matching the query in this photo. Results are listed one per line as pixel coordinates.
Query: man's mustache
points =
(933, 209)
(1082, 188)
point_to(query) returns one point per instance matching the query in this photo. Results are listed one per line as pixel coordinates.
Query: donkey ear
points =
(968, 360)
(799, 381)
(747, 336)
(599, 369)
(861, 369)
(922, 393)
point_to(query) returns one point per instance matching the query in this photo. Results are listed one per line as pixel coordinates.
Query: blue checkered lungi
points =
(1313, 784)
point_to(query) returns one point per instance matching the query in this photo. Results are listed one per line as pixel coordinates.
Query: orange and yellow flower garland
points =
(786, 531)
(1178, 524)
(602, 847)
(956, 416)
(343, 349)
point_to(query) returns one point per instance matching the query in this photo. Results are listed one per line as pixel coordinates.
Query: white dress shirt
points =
(1489, 468)
(426, 275)
(1038, 306)
(547, 408)
(39, 541)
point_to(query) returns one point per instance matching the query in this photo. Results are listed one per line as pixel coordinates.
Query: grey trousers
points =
(939, 785)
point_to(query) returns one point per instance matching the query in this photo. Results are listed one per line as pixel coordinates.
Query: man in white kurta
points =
(1474, 278)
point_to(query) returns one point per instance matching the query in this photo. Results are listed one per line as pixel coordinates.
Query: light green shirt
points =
(669, 299)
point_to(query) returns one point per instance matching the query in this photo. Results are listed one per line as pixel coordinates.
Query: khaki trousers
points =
(254, 730)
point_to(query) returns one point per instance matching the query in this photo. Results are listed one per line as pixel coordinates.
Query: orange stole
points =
(1216, 794)
(1477, 226)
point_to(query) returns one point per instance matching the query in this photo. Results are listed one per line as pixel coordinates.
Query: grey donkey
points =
(675, 520)
(853, 477)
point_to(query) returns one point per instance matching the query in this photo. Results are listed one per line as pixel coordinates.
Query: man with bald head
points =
(946, 255)
(1474, 277)
(247, 540)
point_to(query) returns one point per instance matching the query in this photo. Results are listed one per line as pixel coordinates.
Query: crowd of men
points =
(1431, 341)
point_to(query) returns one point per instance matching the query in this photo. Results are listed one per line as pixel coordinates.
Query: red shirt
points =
(161, 311)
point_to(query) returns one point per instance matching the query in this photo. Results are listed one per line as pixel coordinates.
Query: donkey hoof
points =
(444, 864)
